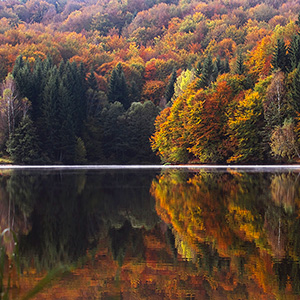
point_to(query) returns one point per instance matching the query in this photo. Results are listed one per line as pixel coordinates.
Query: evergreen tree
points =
(23, 145)
(199, 69)
(280, 59)
(92, 82)
(170, 87)
(49, 121)
(111, 119)
(226, 66)
(240, 67)
(294, 52)
(66, 133)
(118, 90)
(80, 152)
(208, 72)
(296, 89)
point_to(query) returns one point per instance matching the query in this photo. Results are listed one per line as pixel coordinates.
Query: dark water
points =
(151, 233)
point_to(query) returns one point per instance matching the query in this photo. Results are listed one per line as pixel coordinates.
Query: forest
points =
(132, 81)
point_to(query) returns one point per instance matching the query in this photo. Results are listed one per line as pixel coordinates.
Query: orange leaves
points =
(259, 62)
(209, 125)
(150, 70)
(196, 123)
(153, 90)
(115, 42)
(226, 48)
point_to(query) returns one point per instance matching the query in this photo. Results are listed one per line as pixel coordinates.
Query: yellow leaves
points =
(260, 58)
(245, 222)
(211, 48)
(116, 42)
(245, 109)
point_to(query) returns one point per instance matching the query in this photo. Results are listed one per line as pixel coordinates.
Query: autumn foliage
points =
(229, 47)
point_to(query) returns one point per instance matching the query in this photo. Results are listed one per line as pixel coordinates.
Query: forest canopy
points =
(134, 81)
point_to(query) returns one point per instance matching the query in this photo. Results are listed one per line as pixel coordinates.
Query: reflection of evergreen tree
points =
(78, 210)
(126, 239)
(60, 239)
(209, 259)
(171, 241)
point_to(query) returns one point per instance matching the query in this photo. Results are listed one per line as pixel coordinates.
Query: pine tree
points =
(280, 59)
(118, 90)
(48, 122)
(226, 66)
(66, 132)
(296, 89)
(170, 87)
(218, 65)
(23, 145)
(113, 86)
(294, 52)
(208, 72)
(240, 67)
(92, 82)
(199, 69)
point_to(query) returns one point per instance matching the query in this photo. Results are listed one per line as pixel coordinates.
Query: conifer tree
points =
(170, 87)
(240, 67)
(118, 90)
(49, 122)
(294, 52)
(280, 59)
(226, 66)
(92, 82)
(296, 89)
(208, 72)
(198, 69)
(23, 144)
(66, 132)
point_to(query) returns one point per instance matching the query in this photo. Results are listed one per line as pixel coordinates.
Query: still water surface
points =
(134, 233)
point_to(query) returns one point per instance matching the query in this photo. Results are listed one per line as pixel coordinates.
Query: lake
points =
(150, 233)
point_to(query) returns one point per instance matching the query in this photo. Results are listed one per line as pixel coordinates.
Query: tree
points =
(296, 89)
(170, 87)
(244, 129)
(92, 82)
(66, 133)
(206, 123)
(182, 82)
(294, 52)
(118, 90)
(49, 123)
(113, 137)
(275, 104)
(23, 144)
(80, 152)
(283, 141)
(280, 59)
(139, 123)
(209, 72)
(240, 67)
(12, 107)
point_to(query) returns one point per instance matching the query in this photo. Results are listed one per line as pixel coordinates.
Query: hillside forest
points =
(134, 81)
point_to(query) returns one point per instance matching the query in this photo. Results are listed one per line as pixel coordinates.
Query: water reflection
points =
(197, 235)
(243, 227)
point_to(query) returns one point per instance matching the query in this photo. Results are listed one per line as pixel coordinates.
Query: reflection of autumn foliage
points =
(235, 215)
(223, 236)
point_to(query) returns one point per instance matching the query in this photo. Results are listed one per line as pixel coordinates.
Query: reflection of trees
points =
(243, 225)
(70, 211)
(283, 190)
(126, 239)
